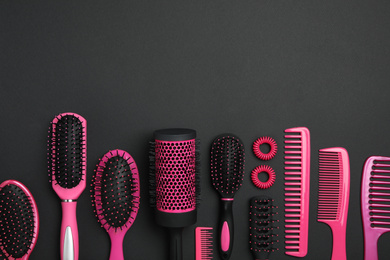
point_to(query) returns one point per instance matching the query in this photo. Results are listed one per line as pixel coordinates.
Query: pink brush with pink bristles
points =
(116, 197)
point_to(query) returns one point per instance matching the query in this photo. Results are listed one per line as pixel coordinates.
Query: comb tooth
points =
(379, 211)
(380, 171)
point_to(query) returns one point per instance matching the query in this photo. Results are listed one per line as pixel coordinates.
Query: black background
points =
(252, 68)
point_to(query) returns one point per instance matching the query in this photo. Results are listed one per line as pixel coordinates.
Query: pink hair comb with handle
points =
(375, 205)
(297, 190)
(333, 197)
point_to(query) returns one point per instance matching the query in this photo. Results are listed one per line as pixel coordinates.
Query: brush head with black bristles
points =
(227, 164)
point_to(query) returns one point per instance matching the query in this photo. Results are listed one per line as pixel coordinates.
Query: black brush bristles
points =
(262, 223)
(227, 164)
(66, 158)
(115, 190)
(16, 222)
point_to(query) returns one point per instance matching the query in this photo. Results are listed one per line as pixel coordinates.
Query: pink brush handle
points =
(69, 234)
(339, 243)
(117, 246)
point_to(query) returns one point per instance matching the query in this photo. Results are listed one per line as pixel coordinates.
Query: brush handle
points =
(116, 252)
(339, 243)
(226, 229)
(69, 246)
(176, 244)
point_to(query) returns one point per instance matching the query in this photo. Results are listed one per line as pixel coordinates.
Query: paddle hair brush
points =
(174, 182)
(19, 221)
(227, 173)
(116, 196)
(67, 146)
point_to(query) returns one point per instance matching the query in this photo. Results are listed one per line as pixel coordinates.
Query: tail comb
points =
(297, 190)
(204, 243)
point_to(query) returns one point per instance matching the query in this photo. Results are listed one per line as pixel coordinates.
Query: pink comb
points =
(333, 197)
(375, 203)
(297, 190)
(204, 243)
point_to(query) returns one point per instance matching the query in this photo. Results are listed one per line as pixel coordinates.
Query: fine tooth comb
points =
(19, 221)
(67, 148)
(261, 227)
(204, 243)
(333, 196)
(375, 203)
(297, 190)
(116, 197)
(227, 172)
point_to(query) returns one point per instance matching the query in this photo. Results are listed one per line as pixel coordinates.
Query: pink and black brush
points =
(227, 172)
(333, 196)
(116, 197)
(174, 182)
(67, 157)
(19, 221)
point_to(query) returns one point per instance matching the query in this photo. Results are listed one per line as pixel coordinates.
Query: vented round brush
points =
(116, 197)
(227, 172)
(174, 185)
(19, 221)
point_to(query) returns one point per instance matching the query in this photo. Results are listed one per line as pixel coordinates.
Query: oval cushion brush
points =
(19, 221)
(67, 167)
(333, 196)
(375, 203)
(174, 182)
(227, 173)
(116, 197)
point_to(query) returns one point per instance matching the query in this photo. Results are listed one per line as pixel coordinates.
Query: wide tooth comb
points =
(297, 190)
(204, 243)
(333, 196)
(375, 203)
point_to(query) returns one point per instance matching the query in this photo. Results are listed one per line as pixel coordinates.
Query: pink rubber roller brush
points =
(116, 197)
(333, 196)
(67, 168)
(375, 203)
(19, 221)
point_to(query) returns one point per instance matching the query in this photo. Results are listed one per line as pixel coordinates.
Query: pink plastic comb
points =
(297, 190)
(204, 243)
(375, 203)
(116, 196)
(333, 197)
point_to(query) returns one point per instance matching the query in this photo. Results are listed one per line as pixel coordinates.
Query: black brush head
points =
(115, 191)
(261, 227)
(16, 221)
(66, 156)
(227, 164)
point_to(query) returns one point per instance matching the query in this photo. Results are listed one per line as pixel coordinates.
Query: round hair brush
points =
(19, 221)
(116, 196)
(174, 184)
(67, 146)
(227, 172)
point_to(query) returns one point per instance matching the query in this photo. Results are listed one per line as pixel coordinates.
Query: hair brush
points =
(333, 196)
(67, 168)
(375, 203)
(174, 184)
(116, 197)
(19, 221)
(261, 227)
(227, 172)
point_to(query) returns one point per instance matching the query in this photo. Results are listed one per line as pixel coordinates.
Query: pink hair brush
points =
(19, 221)
(116, 197)
(67, 168)
(375, 203)
(333, 196)
(174, 182)
(297, 190)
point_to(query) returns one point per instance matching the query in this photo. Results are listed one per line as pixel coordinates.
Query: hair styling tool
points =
(67, 157)
(333, 196)
(297, 190)
(261, 227)
(204, 243)
(255, 176)
(375, 204)
(19, 221)
(174, 182)
(116, 197)
(227, 173)
(265, 140)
